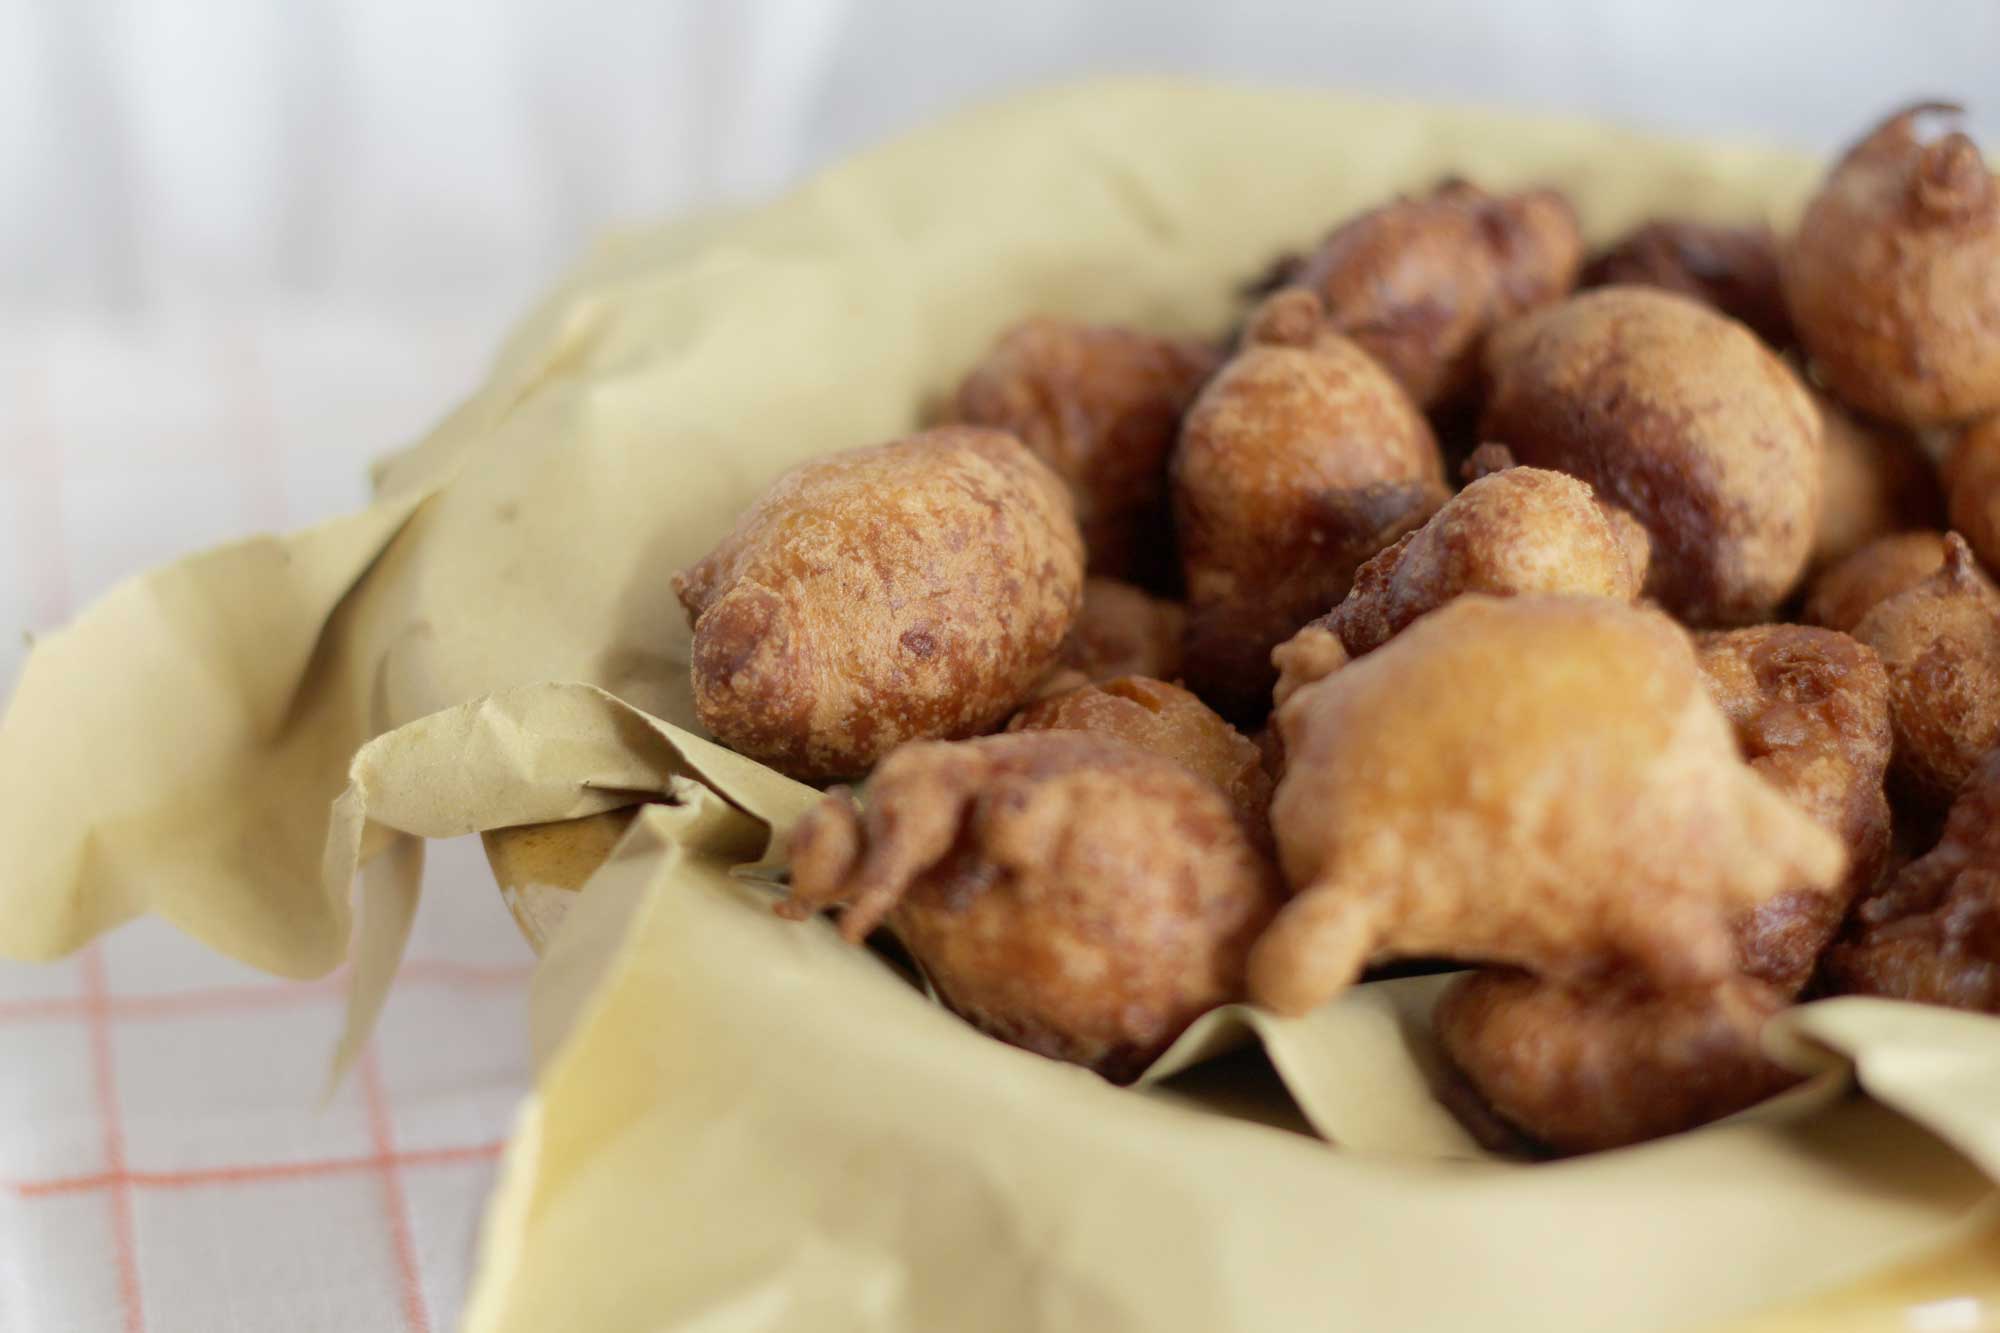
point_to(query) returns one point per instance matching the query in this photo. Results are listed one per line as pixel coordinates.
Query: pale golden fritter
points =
(1876, 481)
(1940, 641)
(1299, 460)
(1168, 721)
(1536, 781)
(1875, 573)
(1419, 282)
(1733, 268)
(1972, 484)
(1893, 277)
(916, 589)
(1066, 892)
(1682, 417)
(1101, 405)
(1933, 935)
(1513, 531)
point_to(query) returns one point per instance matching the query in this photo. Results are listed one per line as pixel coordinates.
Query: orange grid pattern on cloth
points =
(166, 1162)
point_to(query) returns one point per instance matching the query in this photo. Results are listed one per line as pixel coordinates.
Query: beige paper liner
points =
(740, 1124)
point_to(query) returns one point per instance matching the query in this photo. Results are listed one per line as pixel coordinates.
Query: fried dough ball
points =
(1419, 282)
(1875, 573)
(1731, 268)
(1811, 712)
(916, 589)
(1585, 1070)
(1512, 531)
(1940, 642)
(1537, 781)
(1066, 892)
(1165, 720)
(1681, 416)
(1876, 481)
(1934, 935)
(1101, 405)
(1972, 483)
(1124, 631)
(1299, 460)
(1894, 276)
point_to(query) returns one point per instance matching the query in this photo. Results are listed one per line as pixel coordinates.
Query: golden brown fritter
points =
(916, 589)
(1732, 268)
(1124, 631)
(1585, 1070)
(1300, 460)
(1877, 481)
(1933, 935)
(1101, 405)
(1069, 893)
(1537, 781)
(1893, 278)
(1972, 482)
(1940, 642)
(1878, 571)
(1510, 532)
(1811, 712)
(1680, 416)
(1419, 282)
(1168, 721)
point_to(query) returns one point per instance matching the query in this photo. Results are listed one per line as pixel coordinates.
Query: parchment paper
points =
(740, 1123)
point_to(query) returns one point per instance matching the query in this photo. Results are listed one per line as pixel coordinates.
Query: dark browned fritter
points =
(1733, 268)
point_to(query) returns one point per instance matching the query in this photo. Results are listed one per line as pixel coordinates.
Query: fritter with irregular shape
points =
(1878, 571)
(1101, 405)
(1933, 935)
(1512, 531)
(1124, 631)
(1733, 268)
(1877, 481)
(1537, 781)
(1681, 416)
(1166, 720)
(1066, 892)
(1419, 282)
(1940, 642)
(1893, 277)
(1582, 1070)
(1300, 460)
(915, 589)
(1972, 485)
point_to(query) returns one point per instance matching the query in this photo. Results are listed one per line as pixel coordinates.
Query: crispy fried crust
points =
(1123, 631)
(1300, 460)
(1732, 268)
(916, 589)
(1940, 641)
(1875, 573)
(1536, 781)
(1682, 417)
(1893, 277)
(1066, 892)
(1101, 405)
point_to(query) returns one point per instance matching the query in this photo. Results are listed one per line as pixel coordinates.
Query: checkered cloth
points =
(166, 1164)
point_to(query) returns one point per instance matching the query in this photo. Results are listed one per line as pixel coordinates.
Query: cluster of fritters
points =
(1180, 674)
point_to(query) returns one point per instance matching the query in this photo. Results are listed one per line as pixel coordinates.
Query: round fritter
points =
(1510, 532)
(1299, 460)
(1972, 483)
(1893, 277)
(1101, 405)
(1419, 282)
(1877, 481)
(1811, 713)
(1878, 571)
(1066, 892)
(1682, 417)
(1732, 268)
(1585, 1070)
(1537, 781)
(1124, 631)
(915, 589)
(1933, 935)
(1940, 641)
(1169, 721)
